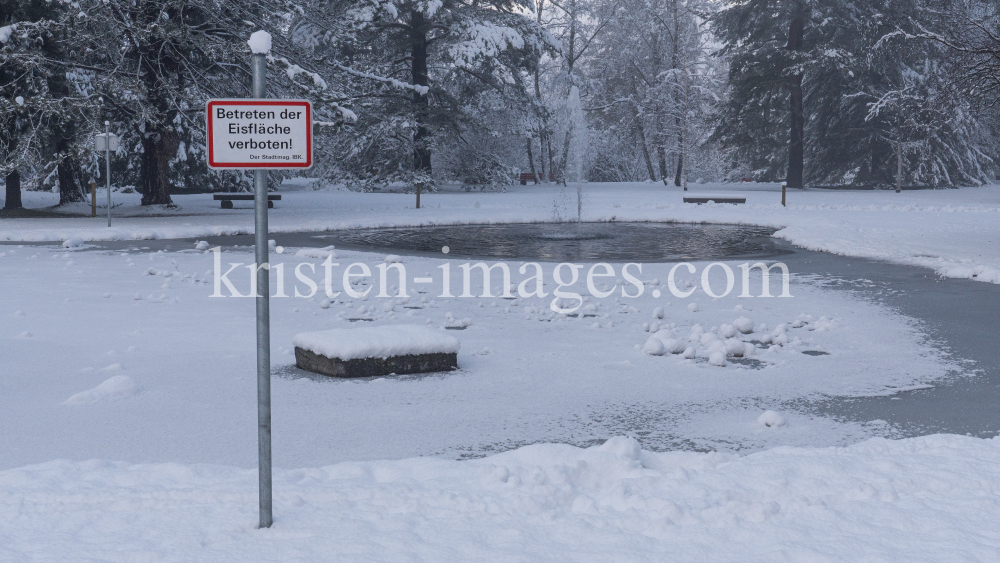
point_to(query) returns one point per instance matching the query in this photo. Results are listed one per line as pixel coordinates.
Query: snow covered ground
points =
(123, 355)
(950, 231)
(935, 498)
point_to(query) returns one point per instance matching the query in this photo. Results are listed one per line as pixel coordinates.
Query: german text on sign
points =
(259, 134)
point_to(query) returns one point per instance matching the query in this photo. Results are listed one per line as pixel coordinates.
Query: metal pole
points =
(899, 166)
(93, 199)
(783, 186)
(419, 185)
(107, 164)
(263, 316)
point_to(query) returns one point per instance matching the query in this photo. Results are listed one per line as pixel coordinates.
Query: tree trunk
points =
(548, 149)
(661, 159)
(70, 190)
(158, 147)
(796, 149)
(13, 181)
(531, 161)
(674, 65)
(543, 132)
(645, 150)
(418, 71)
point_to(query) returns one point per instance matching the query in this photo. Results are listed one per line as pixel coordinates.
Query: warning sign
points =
(259, 134)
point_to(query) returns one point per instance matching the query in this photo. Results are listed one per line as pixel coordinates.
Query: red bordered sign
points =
(246, 134)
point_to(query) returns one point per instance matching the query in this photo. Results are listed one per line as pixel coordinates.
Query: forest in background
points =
(812, 92)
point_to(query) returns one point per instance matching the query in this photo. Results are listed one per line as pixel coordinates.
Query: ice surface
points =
(376, 342)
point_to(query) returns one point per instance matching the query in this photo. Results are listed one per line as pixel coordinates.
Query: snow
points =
(376, 342)
(117, 387)
(924, 499)
(182, 422)
(717, 359)
(654, 347)
(743, 325)
(771, 419)
(260, 42)
(6, 31)
(74, 242)
(320, 253)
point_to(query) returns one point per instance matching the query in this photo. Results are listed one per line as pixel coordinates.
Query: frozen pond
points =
(957, 315)
(567, 242)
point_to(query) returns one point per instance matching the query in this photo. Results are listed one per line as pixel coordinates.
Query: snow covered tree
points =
(858, 84)
(767, 44)
(428, 74)
(654, 82)
(43, 105)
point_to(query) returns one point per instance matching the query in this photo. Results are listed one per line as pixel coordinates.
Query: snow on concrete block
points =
(375, 351)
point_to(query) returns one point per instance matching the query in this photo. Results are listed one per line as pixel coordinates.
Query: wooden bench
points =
(715, 199)
(529, 177)
(227, 199)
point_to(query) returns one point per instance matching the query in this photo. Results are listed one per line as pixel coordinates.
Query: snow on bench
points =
(374, 351)
(715, 198)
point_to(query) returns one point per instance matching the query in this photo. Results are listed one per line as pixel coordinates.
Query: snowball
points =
(770, 419)
(654, 347)
(75, 242)
(19, 100)
(717, 359)
(743, 325)
(201, 245)
(658, 313)
(324, 304)
(393, 259)
(654, 327)
(672, 345)
(260, 42)
(727, 331)
(107, 295)
(749, 349)
(689, 353)
(735, 347)
(693, 307)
